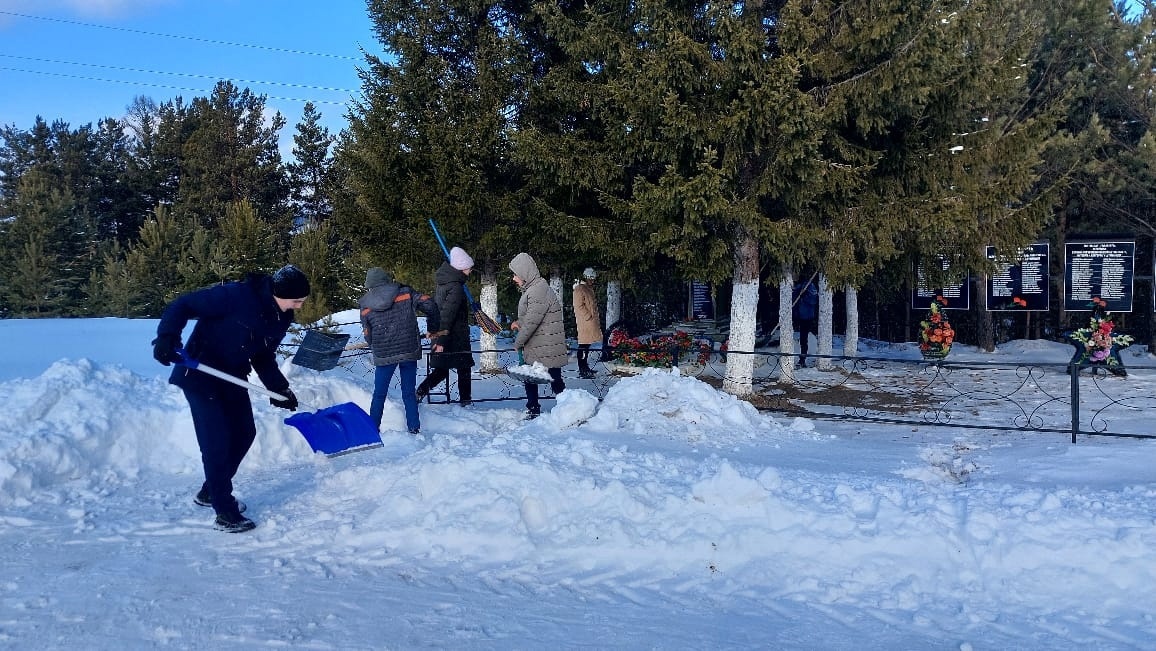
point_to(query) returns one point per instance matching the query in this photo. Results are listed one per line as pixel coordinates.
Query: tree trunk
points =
(489, 302)
(851, 337)
(826, 324)
(787, 327)
(985, 328)
(613, 303)
(739, 379)
(556, 285)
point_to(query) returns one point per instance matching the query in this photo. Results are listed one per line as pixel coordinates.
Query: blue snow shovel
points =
(333, 431)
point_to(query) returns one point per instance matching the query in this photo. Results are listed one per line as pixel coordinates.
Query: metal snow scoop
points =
(525, 378)
(333, 431)
(320, 351)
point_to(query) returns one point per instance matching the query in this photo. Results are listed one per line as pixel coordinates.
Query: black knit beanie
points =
(290, 282)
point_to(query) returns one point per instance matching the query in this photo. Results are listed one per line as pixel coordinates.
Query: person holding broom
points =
(454, 310)
(239, 327)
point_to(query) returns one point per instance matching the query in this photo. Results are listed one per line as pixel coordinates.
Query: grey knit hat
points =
(377, 276)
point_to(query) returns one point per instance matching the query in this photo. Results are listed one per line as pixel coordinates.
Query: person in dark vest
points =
(239, 327)
(454, 339)
(806, 315)
(389, 323)
(541, 334)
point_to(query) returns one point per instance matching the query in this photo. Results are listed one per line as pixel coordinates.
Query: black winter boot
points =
(234, 523)
(202, 498)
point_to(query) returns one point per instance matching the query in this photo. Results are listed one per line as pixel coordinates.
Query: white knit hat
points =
(589, 273)
(460, 260)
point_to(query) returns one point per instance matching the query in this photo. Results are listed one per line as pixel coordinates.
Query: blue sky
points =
(83, 60)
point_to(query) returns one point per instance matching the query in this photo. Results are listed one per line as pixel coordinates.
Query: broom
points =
(484, 321)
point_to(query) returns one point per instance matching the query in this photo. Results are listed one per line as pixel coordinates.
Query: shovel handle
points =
(194, 364)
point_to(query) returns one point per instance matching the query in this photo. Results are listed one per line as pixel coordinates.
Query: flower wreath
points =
(1099, 336)
(935, 332)
(657, 351)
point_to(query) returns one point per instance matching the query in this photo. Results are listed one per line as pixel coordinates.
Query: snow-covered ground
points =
(667, 516)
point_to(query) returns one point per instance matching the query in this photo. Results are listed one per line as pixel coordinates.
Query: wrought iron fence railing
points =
(1075, 399)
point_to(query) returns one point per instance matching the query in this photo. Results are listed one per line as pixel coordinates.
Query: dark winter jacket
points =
(239, 328)
(806, 301)
(454, 311)
(541, 334)
(389, 322)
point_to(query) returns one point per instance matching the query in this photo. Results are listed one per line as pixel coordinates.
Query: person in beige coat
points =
(541, 333)
(586, 316)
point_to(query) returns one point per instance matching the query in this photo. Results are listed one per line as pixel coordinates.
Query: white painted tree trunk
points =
(556, 285)
(851, 337)
(613, 303)
(740, 369)
(489, 342)
(786, 327)
(826, 323)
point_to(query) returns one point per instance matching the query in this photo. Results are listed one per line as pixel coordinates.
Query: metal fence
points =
(1075, 399)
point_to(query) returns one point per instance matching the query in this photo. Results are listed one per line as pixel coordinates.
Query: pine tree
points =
(111, 290)
(153, 262)
(431, 137)
(317, 252)
(817, 134)
(40, 245)
(310, 177)
(230, 155)
(243, 243)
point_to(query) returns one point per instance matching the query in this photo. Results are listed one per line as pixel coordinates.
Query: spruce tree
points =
(310, 176)
(242, 243)
(431, 137)
(41, 246)
(153, 262)
(230, 154)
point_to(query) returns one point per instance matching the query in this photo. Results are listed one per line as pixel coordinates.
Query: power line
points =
(152, 85)
(177, 74)
(178, 36)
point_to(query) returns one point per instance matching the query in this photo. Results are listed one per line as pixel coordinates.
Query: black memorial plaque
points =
(957, 296)
(701, 306)
(1102, 270)
(1023, 286)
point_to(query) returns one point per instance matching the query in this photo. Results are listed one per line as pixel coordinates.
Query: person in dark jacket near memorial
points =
(239, 327)
(454, 311)
(389, 323)
(806, 315)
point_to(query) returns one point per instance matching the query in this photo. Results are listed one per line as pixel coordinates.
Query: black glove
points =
(165, 349)
(290, 401)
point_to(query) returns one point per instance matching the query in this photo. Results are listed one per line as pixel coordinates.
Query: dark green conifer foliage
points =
(111, 290)
(242, 243)
(430, 138)
(230, 155)
(317, 252)
(310, 176)
(41, 267)
(153, 262)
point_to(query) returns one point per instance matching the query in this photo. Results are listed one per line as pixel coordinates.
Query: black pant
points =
(438, 375)
(803, 327)
(556, 383)
(223, 420)
(583, 358)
